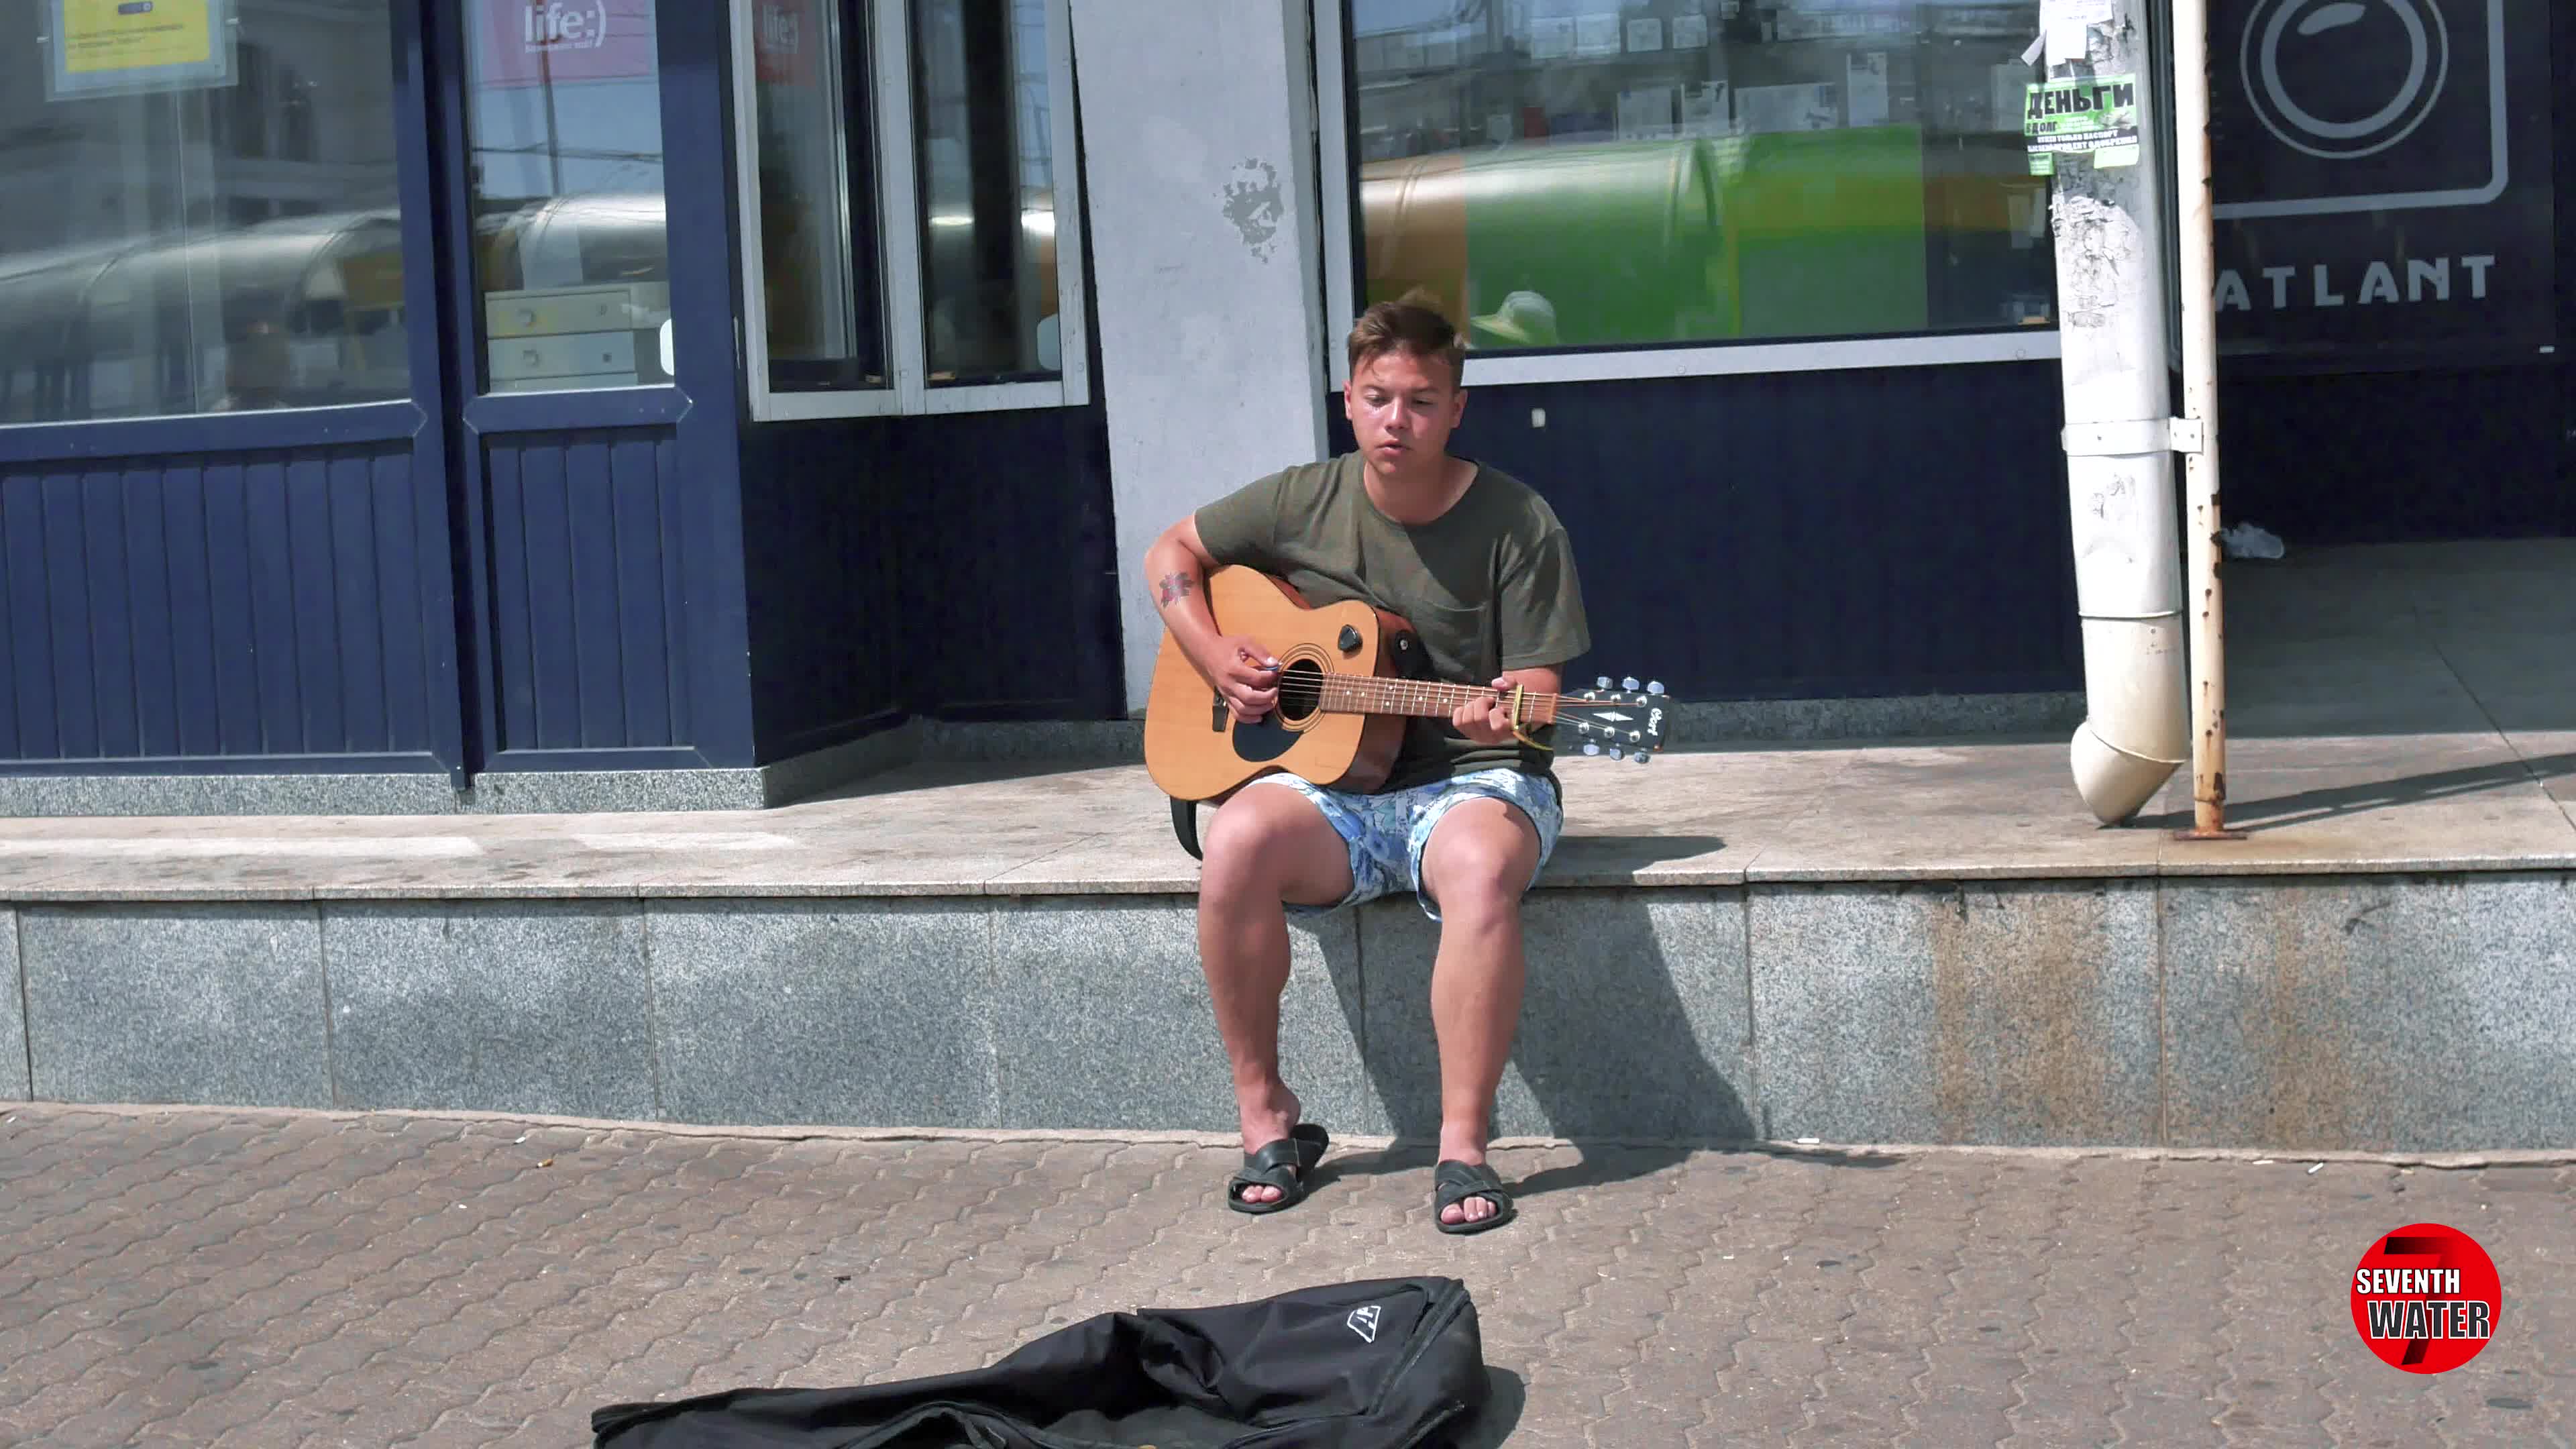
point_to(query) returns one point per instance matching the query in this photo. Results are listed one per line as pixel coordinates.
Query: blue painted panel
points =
(72, 691)
(110, 625)
(147, 599)
(591, 571)
(357, 609)
(317, 643)
(174, 612)
(8, 663)
(818, 525)
(644, 628)
(235, 627)
(1027, 595)
(2399, 456)
(871, 594)
(272, 607)
(194, 700)
(1806, 534)
(586, 533)
(401, 610)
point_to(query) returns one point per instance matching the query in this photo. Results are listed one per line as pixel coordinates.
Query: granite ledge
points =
(2375, 865)
(1756, 873)
(1036, 881)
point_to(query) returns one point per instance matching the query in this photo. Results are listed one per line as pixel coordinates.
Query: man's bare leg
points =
(1477, 865)
(1266, 847)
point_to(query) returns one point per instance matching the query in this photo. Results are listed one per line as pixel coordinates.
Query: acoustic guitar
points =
(1350, 676)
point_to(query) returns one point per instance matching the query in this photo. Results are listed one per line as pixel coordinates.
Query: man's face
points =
(1402, 409)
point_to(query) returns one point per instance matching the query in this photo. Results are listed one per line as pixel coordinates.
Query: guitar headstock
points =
(1626, 723)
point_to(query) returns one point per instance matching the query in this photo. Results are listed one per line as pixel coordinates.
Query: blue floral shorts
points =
(1387, 833)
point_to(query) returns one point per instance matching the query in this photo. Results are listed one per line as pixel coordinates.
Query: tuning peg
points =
(1654, 686)
(1641, 757)
(1628, 684)
(1601, 683)
(1591, 747)
(1616, 752)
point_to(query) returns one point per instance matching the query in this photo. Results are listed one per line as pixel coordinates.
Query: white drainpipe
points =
(2120, 468)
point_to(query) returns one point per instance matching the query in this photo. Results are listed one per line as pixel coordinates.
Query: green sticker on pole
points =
(2095, 116)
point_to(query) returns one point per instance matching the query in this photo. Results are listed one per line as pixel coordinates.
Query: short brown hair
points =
(1414, 325)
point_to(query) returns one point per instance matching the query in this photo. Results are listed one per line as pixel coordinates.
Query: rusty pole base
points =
(2220, 833)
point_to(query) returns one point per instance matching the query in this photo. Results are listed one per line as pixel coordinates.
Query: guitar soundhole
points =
(1301, 690)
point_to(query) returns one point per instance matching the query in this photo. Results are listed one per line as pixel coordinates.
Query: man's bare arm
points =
(1176, 569)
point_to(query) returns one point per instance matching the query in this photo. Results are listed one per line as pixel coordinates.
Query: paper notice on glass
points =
(1705, 111)
(1787, 108)
(2011, 86)
(1867, 75)
(1645, 35)
(1690, 32)
(1646, 113)
(1596, 34)
(1552, 37)
(2062, 22)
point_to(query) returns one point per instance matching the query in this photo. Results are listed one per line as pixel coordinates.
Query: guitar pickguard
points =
(1263, 740)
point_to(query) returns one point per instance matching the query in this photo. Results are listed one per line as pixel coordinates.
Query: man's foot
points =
(1469, 1197)
(1278, 1171)
(1464, 1190)
(1269, 1115)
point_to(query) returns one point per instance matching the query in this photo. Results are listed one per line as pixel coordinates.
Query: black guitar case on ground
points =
(1383, 1364)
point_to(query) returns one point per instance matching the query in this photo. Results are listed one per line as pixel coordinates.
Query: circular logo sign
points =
(2425, 1298)
(2344, 79)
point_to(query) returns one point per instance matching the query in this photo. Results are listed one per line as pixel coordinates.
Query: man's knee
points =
(1268, 842)
(1480, 858)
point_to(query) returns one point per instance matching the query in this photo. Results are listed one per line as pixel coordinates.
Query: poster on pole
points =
(124, 47)
(2092, 116)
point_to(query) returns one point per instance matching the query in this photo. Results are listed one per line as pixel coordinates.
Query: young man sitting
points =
(1480, 567)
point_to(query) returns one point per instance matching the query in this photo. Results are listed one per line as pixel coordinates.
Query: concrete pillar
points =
(1198, 148)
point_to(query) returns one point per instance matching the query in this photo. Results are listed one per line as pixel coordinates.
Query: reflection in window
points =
(987, 184)
(202, 222)
(564, 118)
(819, 266)
(1576, 173)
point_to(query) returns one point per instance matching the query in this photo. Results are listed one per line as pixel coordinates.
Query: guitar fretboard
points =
(1369, 694)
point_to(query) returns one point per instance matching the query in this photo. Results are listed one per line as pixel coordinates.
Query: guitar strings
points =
(1307, 686)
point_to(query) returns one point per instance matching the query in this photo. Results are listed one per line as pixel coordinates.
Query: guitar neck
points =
(1371, 694)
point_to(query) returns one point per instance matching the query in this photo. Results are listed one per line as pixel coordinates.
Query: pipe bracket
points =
(2134, 436)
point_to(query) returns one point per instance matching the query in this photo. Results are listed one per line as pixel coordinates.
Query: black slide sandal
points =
(1282, 1164)
(1454, 1181)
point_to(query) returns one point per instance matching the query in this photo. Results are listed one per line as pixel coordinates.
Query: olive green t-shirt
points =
(1488, 586)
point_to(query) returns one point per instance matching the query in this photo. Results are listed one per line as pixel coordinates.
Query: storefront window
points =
(820, 270)
(1579, 173)
(197, 209)
(564, 117)
(986, 167)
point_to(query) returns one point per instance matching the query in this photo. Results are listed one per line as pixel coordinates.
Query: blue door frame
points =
(520, 582)
(243, 593)
(601, 532)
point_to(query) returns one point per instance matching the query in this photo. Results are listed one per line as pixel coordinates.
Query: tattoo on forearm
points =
(1174, 588)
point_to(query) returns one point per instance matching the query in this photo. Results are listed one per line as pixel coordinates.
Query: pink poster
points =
(785, 34)
(529, 42)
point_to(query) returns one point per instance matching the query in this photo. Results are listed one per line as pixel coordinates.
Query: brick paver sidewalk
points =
(283, 1280)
